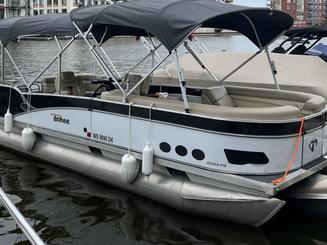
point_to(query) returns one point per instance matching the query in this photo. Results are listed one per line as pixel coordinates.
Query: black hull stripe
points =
(243, 128)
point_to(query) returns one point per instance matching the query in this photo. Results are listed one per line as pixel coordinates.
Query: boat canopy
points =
(318, 31)
(171, 21)
(40, 25)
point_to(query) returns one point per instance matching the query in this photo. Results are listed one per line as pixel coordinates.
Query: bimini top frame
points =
(172, 21)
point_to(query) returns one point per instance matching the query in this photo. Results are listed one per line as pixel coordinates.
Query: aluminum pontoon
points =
(225, 153)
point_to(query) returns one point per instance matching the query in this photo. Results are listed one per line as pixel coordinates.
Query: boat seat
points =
(48, 85)
(262, 97)
(69, 84)
(217, 95)
(301, 49)
(142, 89)
(225, 112)
(278, 50)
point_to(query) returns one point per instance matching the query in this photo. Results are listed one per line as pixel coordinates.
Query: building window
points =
(55, 11)
(64, 2)
(49, 2)
(64, 11)
(55, 2)
(49, 11)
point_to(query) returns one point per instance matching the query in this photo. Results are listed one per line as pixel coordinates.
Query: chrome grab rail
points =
(31, 235)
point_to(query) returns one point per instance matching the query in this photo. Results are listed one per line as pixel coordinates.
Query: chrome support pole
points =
(200, 45)
(97, 57)
(198, 59)
(249, 59)
(59, 65)
(273, 69)
(2, 63)
(157, 56)
(110, 62)
(182, 82)
(254, 29)
(148, 74)
(17, 69)
(142, 60)
(31, 235)
(53, 60)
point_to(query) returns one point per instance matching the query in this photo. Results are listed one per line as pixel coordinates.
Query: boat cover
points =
(171, 21)
(40, 25)
(320, 31)
(302, 73)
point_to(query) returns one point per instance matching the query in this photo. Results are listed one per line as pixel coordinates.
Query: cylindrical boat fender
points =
(147, 159)
(28, 139)
(130, 168)
(8, 121)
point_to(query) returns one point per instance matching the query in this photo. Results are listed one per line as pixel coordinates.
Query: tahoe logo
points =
(59, 118)
(313, 144)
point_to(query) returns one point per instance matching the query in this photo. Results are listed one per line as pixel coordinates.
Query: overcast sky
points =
(257, 3)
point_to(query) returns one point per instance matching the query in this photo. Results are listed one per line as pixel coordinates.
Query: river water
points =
(66, 208)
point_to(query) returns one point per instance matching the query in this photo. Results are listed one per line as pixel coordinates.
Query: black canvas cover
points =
(43, 25)
(319, 31)
(173, 20)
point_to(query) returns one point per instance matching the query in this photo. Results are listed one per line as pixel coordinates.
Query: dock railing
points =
(30, 233)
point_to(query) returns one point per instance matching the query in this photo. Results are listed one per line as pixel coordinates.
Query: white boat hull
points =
(174, 190)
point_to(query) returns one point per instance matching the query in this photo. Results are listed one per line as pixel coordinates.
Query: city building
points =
(12, 8)
(304, 12)
(316, 12)
(60, 6)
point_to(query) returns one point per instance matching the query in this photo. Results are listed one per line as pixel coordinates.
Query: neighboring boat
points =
(225, 153)
(305, 41)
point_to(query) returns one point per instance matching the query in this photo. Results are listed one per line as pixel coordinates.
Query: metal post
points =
(157, 56)
(249, 59)
(59, 65)
(254, 29)
(143, 59)
(148, 74)
(53, 60)
(31, 235)
(182, 82)
(272, 68)
(20, 74)
(110, 62)
(3, 63)
(198, 59)
(97, 57)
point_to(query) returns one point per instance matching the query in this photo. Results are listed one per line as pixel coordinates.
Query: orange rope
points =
(290, 163)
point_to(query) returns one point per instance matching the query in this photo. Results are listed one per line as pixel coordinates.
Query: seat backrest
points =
(301, 49)
(69, 84)
(278, 50)
(142, 89)
(48, 85)
(217, 95)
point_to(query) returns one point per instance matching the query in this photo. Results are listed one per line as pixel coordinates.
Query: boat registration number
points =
(102, 137)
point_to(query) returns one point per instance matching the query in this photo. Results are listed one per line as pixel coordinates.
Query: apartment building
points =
(12, 8)
(60, 6)
(316, 12)
(304, 12)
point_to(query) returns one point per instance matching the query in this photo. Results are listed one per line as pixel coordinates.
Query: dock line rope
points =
(290, 163)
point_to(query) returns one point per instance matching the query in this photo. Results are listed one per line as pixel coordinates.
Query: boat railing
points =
(30, 233)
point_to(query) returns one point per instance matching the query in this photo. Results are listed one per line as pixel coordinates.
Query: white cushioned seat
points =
(217, 96)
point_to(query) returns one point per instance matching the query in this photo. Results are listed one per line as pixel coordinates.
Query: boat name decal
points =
(60, 119)
(313, 144)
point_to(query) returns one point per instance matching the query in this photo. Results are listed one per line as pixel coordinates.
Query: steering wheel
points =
(107, 84)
